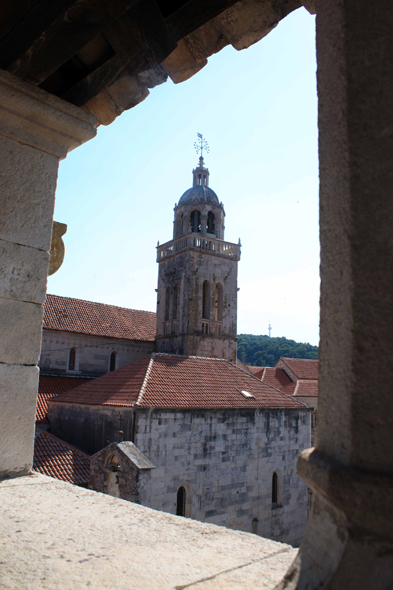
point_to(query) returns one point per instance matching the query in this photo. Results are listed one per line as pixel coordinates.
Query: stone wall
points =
(113, 472)
(92, 353)
(189, 270)
(228, 458)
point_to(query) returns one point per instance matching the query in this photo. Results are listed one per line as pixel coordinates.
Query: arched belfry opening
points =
(219, 302)
(167, 302)
(195, 222)
(211, 225)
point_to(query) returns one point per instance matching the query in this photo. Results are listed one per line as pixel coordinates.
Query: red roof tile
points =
(97, 319)
(306, 388)
(50, 386)
(60, 460)
(279, 379)
(303, 368)
(173, 381)
(257, 371)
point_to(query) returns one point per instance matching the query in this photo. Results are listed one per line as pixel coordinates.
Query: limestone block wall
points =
(90, 428)
(92, 353)
(228, 458)
(189, 270)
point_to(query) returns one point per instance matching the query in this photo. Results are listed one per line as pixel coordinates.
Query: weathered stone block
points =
(21, 331)
(23, 272)
(28, 183)
(17, 417)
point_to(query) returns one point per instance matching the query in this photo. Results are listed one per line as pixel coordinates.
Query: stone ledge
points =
(55, 535)
(34, 117)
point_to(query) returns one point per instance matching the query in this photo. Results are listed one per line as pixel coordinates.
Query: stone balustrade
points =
(213, 245)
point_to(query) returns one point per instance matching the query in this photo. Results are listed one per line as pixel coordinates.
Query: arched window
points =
(112, 362)
(167, 302)
(210, 223)
(175, 302)
(71, 360)
(181, 224)
(206, 301)
(181, 502)
(219, 302)
(274, 488)
(195, 222)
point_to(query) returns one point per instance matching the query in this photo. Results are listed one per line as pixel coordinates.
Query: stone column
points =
(36, 131)
(349, 538)
(203, 224)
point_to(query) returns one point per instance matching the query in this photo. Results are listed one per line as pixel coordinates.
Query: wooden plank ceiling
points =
(76, 48)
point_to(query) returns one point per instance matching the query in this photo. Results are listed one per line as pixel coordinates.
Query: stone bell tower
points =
(197, 278)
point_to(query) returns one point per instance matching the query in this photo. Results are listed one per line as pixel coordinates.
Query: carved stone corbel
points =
(57, 248)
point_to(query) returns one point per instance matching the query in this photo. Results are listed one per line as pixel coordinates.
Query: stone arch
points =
(206, 300)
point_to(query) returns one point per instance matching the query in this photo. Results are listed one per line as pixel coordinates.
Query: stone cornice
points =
(33, 117)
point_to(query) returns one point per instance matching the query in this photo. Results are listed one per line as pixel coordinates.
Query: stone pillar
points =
(349, 538)
(203, 224)
(36, 131)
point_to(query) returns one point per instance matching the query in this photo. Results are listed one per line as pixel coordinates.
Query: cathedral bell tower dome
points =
(197, 276)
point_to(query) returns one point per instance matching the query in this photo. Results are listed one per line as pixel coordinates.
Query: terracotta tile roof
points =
(306, 388)
(50, 386)
(257, 371)
(58, 459)
(303, 368)
(119, 388)
(173, 381)
(97, 319)
(279, 379)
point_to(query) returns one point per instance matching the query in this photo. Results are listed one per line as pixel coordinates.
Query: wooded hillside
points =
(265, 352)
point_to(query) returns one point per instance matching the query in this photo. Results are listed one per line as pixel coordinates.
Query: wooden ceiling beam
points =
(193, 15)
(140, 39)
(76, 25)
(11, 12)
(37, 17)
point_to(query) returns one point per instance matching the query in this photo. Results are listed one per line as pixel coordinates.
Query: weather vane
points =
(201, 145)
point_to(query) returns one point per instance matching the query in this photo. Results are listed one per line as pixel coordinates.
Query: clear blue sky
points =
(258, 110)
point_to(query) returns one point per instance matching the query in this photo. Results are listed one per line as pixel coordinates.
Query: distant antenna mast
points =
(270, 329)
(200, 145)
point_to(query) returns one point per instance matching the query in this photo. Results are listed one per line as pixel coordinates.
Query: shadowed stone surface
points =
(60, 536)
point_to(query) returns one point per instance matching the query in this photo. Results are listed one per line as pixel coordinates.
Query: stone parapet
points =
(199, 243)
(65, 537)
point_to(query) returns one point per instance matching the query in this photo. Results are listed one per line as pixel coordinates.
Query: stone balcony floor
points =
(59, 536)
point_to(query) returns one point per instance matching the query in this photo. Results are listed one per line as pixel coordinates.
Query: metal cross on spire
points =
(200, 145)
